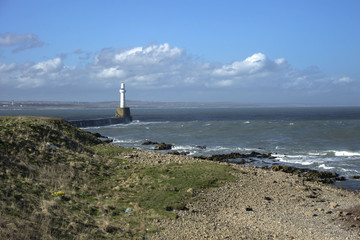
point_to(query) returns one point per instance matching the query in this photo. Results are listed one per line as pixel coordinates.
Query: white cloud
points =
(111, 73)
(20, 41)
(343, 80)
(256, 65)
(32, 75)
(165, 67)
(48, 66)
(224, 83)
(150, 55)
(7, 67)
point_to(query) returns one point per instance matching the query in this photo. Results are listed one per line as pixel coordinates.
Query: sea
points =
(319, 138)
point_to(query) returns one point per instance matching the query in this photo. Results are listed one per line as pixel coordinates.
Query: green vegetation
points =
(59, 182)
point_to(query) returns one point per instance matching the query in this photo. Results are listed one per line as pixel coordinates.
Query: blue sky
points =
(269, 51)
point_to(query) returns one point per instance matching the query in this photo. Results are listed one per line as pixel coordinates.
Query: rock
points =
(235, 155)
(163, 146)
(52, 145)
(201, 147)
(339, 213)
(355, 177)
(268, 198)
(98, 135)
(179, 153)
(340, 178)
(107, 140)
(191, 191)
(308, 174)
(310, 214)
(175, 153)
(149, 143)
(101, 137)
(333, 205)
(249, 209)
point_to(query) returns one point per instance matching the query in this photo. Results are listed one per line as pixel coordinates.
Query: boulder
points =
(179, 153)
(355, 177)
(149, 143)
(163, 146)
(308, 174)
(201, 147)
(98, 135)
(235, 155)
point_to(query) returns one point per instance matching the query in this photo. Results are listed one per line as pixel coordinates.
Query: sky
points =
(247, 52)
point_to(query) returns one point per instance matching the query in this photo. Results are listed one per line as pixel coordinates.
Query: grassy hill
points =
(59, 182)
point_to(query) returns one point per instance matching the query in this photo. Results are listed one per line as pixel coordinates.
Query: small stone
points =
(191, 191)
(310, 214)
(333, 205)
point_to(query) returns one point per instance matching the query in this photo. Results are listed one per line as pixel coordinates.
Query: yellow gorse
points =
(61, 193)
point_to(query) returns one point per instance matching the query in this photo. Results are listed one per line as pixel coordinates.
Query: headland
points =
(60, 182)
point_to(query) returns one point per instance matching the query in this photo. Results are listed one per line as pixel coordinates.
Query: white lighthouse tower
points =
(123, 111)
(122, 95)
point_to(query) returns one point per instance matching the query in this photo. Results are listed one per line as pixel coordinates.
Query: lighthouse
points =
(122, 95)
(123, 111)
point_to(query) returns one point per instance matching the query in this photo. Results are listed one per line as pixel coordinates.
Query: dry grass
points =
(59, 182)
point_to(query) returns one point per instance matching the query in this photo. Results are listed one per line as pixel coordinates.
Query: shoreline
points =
(260, 204)
(245, 159)
(60, 182)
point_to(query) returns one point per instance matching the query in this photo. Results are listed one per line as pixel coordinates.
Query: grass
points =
(79, 188)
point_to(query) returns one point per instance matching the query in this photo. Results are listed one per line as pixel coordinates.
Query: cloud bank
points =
(20, 42)
(162, 68)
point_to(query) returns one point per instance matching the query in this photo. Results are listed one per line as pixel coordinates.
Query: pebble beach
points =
(260, 204)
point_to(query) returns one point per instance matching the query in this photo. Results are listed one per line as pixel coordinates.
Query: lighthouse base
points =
(123, 113)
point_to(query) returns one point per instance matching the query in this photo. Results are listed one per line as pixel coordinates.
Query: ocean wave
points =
(295, 159)
(342, 153)
(126, 141)
(184, 147)
(317, 153)
(138, 122)
(132, 124)
(325, 167)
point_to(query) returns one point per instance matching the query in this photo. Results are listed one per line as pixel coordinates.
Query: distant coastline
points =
(9, 105)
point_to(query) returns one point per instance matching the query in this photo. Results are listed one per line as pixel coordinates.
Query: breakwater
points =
(99, 122)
